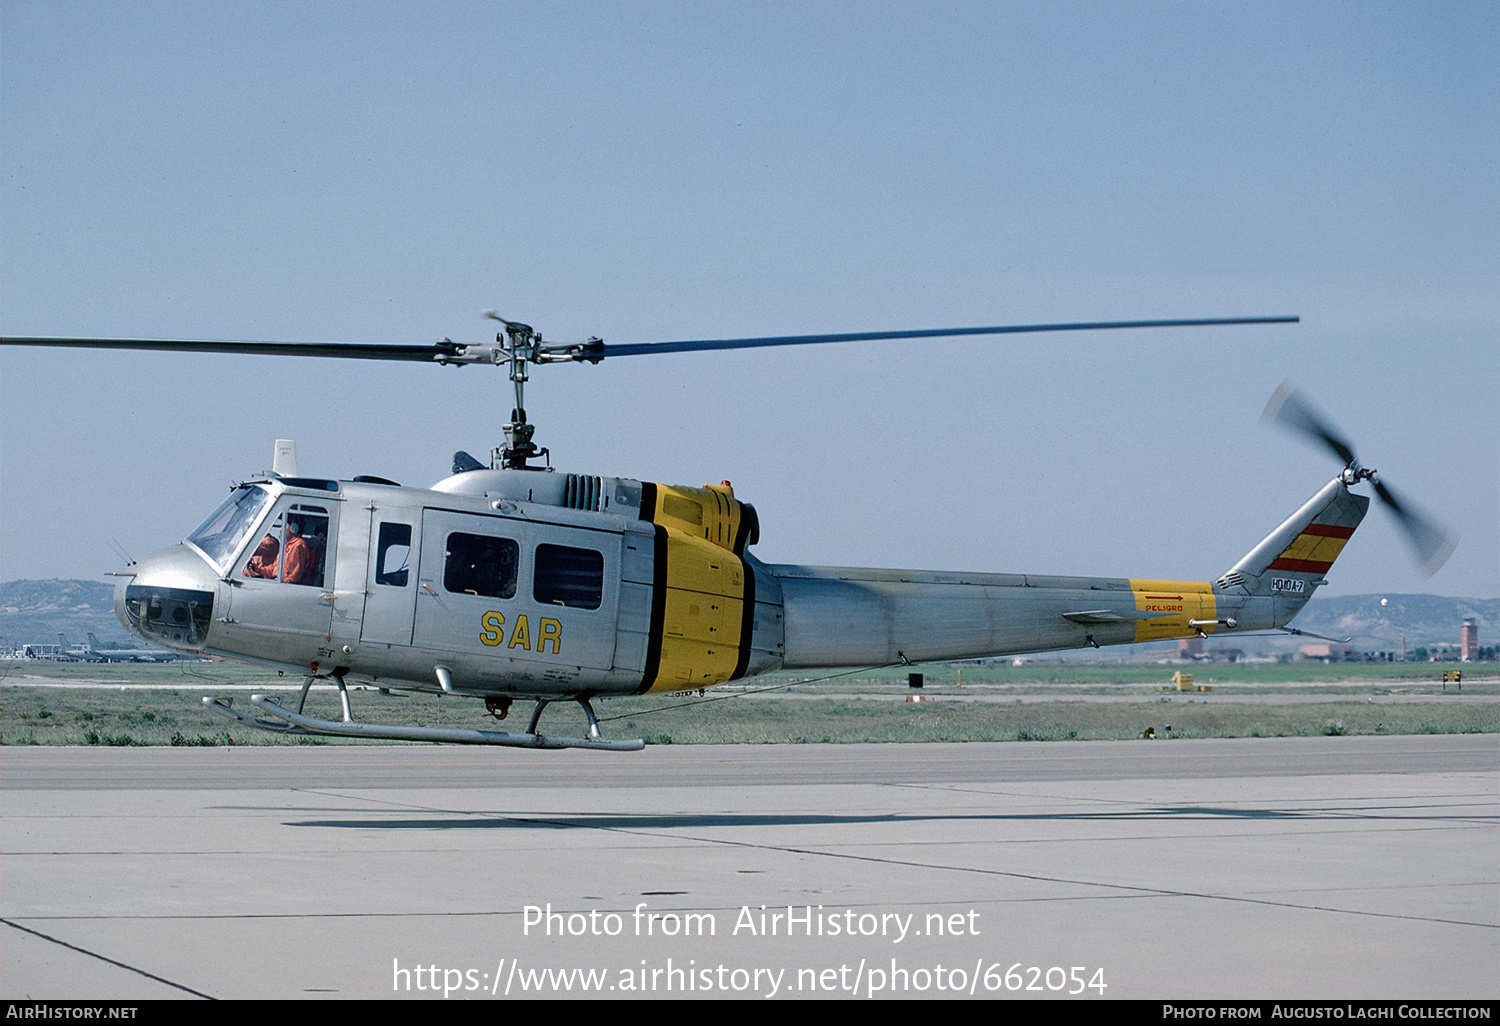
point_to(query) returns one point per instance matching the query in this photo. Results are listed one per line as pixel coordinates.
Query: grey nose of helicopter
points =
(170, 600)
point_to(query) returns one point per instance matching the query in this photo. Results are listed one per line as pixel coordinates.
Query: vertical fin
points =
(1289, 563)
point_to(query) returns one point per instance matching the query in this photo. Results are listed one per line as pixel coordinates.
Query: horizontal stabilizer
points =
(1095, 616)
(1101, 616)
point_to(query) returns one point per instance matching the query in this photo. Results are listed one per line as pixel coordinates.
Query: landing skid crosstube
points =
(281, 720)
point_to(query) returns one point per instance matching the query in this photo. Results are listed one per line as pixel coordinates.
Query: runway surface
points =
(1326, 868)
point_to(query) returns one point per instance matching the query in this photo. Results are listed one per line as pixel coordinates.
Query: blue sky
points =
(653, 171)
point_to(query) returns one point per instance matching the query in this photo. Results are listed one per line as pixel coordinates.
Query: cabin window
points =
(393, 555)
(477, 564)
(566, 576)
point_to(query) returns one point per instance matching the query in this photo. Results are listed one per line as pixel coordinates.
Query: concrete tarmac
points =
(1318, 868)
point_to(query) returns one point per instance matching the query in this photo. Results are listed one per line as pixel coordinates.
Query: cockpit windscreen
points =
(221, 534)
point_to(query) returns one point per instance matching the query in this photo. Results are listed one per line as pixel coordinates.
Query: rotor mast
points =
(520, 344)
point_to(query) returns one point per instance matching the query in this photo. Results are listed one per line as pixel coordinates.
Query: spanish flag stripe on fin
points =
(1329, 531)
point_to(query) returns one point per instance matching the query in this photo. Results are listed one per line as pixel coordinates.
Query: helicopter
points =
(513, 581)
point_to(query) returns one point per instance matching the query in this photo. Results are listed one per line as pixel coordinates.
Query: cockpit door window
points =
(294, 550)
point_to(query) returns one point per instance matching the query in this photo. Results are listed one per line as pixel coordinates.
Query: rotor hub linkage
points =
(520, 344)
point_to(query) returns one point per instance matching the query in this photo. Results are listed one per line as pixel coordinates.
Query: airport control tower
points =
(1468, 641)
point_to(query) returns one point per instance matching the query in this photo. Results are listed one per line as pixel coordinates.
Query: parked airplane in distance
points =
(95, 653)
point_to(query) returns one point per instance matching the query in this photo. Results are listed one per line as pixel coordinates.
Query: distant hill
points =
(37, 611)
(1420, 619)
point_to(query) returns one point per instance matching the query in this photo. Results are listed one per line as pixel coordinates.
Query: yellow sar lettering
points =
(492, 632)
(492, 627)
(551, 632)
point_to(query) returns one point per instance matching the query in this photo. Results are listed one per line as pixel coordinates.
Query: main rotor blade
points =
(1432, 543)
(334, 350)
(702, 345)
(1288, 408)
(592, 353)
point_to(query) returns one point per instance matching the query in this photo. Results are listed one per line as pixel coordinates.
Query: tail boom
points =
(841, 616)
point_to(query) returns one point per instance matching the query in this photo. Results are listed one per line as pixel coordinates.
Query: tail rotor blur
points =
(1431, 543)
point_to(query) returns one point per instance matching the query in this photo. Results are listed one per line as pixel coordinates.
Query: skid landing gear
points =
(279, 719)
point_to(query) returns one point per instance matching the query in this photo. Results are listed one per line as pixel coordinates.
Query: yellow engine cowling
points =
(702, 611)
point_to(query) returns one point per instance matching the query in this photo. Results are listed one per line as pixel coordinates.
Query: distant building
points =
(1468, 640)
(1328, 653)
(1194, 649)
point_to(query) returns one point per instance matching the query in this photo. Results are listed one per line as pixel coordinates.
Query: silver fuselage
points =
(534, 584)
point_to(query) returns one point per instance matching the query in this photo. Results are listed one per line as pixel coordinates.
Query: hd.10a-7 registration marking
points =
(1288, 584)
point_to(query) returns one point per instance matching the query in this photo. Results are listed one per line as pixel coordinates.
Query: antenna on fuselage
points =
(284, 459)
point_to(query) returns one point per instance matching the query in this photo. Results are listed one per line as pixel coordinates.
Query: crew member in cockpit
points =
(301, 563)
(263, 563)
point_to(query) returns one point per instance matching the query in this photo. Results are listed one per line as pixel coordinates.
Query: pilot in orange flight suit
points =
(263, 563)
(300, 563)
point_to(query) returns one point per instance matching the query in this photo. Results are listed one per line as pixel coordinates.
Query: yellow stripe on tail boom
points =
(1169, 605)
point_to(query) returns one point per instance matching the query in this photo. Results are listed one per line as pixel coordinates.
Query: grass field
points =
(82, 704)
